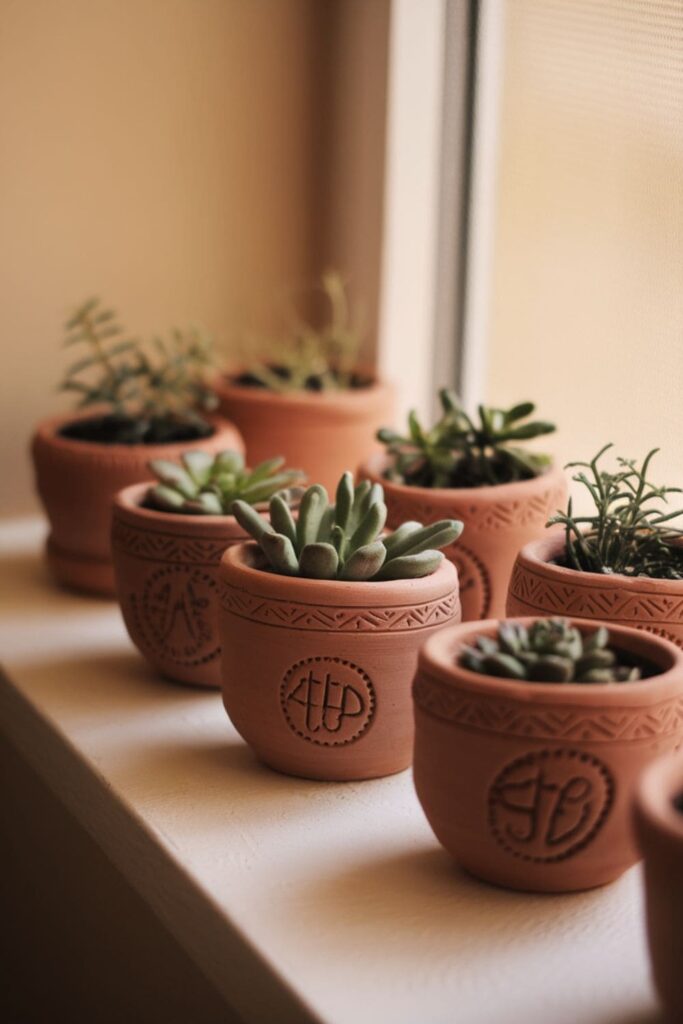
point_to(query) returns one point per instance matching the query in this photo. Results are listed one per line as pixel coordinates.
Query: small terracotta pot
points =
(498, 521)
(323, 433)
(659, 826)
(166, 568)
(529, 785)
(539, 587)
(77, 480)
(317, 673)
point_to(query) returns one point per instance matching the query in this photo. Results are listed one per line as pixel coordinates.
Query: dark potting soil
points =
(313, 383)
(113, 429)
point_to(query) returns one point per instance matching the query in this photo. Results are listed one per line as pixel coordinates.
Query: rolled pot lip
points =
(129, 499)
(438, 658)
(540, 554)
(47, 431)
(225, 386)
(344, 593)
(374, 466)
(658, 786)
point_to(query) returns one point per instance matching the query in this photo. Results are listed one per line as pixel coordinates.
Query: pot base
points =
(78, 572)
(330, 775)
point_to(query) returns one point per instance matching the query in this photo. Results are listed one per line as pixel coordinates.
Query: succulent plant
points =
(457, 452)
(311, 358)
(145, 386)
(548, 651)
(203, 484)
(344, 541)
(628, 533)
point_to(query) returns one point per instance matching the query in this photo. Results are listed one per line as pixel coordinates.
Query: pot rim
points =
(539, 554)
(47, 432)
(226, 387)
(656, 790)
(128, 500)
(236, 570)
(438, 658)
(373, 467)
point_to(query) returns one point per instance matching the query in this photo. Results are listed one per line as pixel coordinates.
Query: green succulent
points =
(626, 534)
(203, 484)
(549, 651)
(457, 452)
(344, 541)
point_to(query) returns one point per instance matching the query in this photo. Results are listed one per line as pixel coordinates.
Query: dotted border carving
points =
(484, 578)
(372, 703)
(290, 615)
(585, 840)
(512, 718)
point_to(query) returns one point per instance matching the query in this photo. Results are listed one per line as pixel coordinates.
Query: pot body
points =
(659, 825)
(539, 587)
(166, 571)
(322, 433)
(498, 522)
(529, 785)
(317, 674)
(77, 481)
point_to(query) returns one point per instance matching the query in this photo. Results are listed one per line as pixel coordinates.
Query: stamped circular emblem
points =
(175, 614)
(550, 804)
(473, 579)
(328, 701)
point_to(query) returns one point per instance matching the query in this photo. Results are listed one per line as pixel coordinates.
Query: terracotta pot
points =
(77, 480)
(166, 569)
(659, 826)
(317, 674)
(323, 433)
(529, 785)
(498, 521)
(539, 587)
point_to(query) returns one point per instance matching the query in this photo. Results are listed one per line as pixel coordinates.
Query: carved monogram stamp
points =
(550, 804)
(175, 614)
(328, 701)
(473, 578)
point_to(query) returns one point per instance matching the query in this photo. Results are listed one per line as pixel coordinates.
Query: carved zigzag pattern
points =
(498, 716)
(350, 620)
(164, 547)
(637, 609)
(503, 515)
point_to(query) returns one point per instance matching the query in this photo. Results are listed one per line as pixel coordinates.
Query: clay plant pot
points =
(323, 433)
(77, 481)
(166, 568)
(540, 587)
(529, 785)
(317, 673)
(659, 826)
(498, 521)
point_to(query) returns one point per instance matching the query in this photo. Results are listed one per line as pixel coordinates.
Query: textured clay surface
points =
(498, 522)
(317, 674)
(529, 785)
(77, 481)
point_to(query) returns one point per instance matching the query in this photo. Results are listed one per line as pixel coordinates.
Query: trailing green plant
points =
(344, 541)
(459, 452)
(323, 358)
(148, 389)
(629, 533)
(203, 484)
(548, 651)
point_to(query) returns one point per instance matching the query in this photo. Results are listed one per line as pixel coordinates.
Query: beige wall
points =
(588, 275)
(165, 154)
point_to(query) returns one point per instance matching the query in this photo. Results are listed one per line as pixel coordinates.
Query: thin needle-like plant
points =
(630, 531)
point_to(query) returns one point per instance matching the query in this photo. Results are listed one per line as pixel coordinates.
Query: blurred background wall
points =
(183, 159)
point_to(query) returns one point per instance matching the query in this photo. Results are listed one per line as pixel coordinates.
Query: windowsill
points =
(301, 901)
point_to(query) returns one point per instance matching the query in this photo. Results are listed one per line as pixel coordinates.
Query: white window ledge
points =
(300, 901)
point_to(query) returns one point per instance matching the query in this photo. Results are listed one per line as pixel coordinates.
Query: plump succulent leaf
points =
(549, 651)
(457, 452)
(204, 484)
(343, 541)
